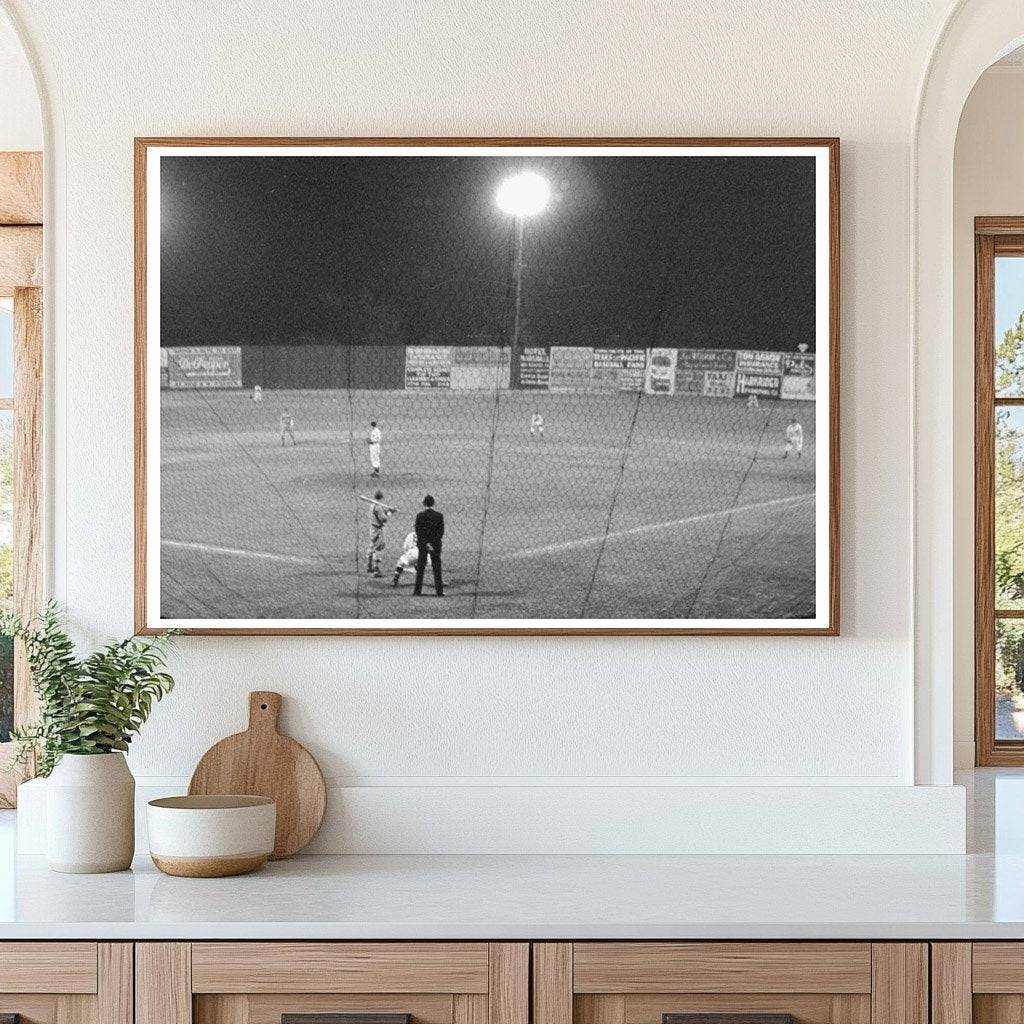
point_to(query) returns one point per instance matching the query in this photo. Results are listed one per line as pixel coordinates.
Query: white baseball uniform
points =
(373, 439)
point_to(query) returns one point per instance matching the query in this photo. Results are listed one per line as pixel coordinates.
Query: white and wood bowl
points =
(211, 836)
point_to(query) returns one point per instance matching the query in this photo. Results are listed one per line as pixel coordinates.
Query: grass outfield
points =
(253, 530)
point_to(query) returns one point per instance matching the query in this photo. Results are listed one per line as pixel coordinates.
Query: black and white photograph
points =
(461, 386)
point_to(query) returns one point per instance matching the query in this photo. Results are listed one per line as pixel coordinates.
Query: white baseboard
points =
(600, 819)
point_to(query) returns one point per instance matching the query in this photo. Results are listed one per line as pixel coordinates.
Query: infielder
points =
(379, 516)
(373, 440)
(287, 427)
(407, 559)
(794, 439)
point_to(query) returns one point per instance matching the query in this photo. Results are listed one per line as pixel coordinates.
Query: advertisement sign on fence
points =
(481, 355)
(660, 378)
(798, 389)
(706, 359)
(571, 368)
(621, 368)
(212, 366)
(719, 383)
(428, 366)
(764, 385)
(759, 362)
(689, 382)
(798, 364)
(535, 369)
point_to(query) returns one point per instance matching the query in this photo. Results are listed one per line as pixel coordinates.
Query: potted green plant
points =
(89, 710)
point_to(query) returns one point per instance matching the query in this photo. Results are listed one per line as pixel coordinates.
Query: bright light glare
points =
(523, 195)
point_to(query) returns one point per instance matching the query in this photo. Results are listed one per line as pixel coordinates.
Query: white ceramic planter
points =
(90, 814)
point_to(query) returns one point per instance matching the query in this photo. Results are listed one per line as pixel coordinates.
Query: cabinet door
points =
(332, 983)
(737, 982)
(980, 982)
(66, 982)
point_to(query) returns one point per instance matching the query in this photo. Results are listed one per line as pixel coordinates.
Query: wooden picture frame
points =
(826, 510)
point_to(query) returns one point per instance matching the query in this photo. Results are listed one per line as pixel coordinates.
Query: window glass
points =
(1009, 679)
(1009, 510)
(6, 349)
(6, 567)
(1009, 327)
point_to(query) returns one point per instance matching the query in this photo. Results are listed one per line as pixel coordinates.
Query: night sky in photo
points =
(693, 252)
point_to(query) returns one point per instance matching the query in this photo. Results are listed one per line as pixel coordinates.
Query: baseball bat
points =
(374, 501)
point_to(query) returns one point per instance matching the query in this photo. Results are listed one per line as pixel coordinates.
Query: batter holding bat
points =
(379, 516)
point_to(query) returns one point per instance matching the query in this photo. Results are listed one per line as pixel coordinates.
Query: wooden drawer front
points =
(268, 1009)
(648, 1009)
(257, 982)
(712, 967)
(365, 967)
(998, 967)
(78, 989)
(52, 967)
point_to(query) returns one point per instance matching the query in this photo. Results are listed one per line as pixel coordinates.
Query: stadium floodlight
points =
(523, 195)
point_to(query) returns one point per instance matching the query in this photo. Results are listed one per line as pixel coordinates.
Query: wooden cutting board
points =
(262, 762)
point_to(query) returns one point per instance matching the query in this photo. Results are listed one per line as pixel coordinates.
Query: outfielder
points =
(794, 439)
(287, 427)
(379, 516)
(537, 425)
(407, 559)
(373, 440)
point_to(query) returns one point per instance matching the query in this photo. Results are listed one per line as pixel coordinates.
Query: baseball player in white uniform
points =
(287, 427)
(407, 559)
(379, 516)
(794, 439)
(373, 439)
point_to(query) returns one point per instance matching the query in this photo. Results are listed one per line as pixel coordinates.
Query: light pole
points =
(523, 195)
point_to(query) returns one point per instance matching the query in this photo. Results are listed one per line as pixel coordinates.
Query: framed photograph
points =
(487, 386)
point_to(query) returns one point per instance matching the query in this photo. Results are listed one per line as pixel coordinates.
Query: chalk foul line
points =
(547, 549)
(217, 549)
(634, 531)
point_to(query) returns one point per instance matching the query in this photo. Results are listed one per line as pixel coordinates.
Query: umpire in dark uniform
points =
(429, 531)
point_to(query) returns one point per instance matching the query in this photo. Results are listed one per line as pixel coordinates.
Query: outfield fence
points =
(710, 373)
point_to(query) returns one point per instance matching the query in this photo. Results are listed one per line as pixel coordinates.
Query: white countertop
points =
(978, 896)
(531, 897)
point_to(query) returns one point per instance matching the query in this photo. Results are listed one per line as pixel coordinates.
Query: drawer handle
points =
(728, 1018)
(340, 1018)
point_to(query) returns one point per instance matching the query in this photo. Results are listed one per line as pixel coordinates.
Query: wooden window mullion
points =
(984, 500)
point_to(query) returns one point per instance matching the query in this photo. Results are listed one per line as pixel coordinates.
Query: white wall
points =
(444, 713)
(988, 180)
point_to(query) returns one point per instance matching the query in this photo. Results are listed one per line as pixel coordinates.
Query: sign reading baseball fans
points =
(517, 378)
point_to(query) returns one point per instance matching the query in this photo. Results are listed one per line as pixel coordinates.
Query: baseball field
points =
(630, 507)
